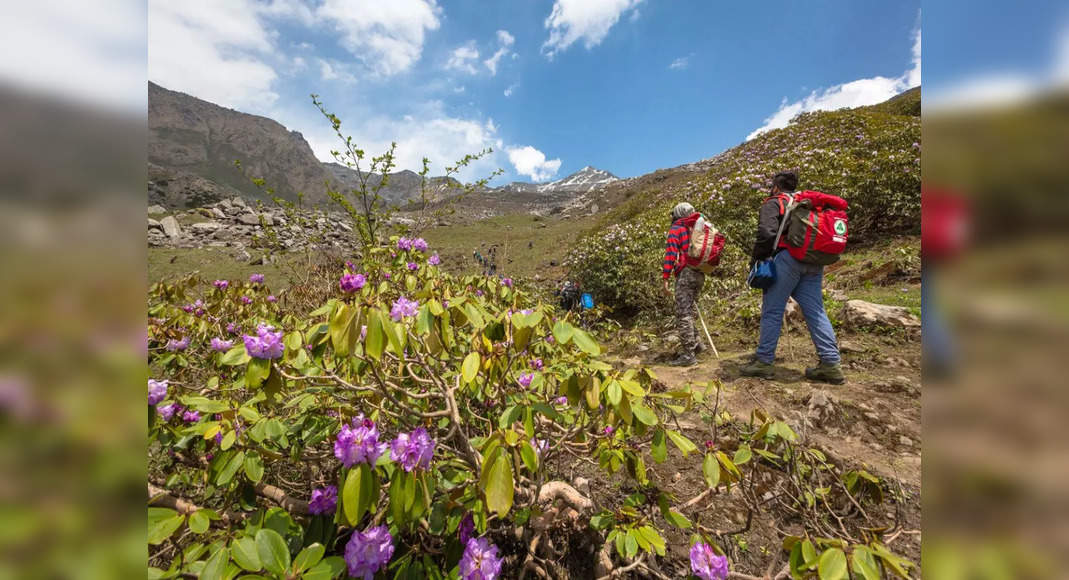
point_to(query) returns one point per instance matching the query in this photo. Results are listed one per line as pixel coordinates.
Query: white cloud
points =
(463, 58)
(634, 15)
(213, 50)
(386, 36)
(586, 20)
(511, 88)
(680, 63)
(531, 162)
(852, 94)
(427, 131)
(505, 40)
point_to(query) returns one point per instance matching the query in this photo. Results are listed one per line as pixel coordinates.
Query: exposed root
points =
(555, 490)
(160, 497)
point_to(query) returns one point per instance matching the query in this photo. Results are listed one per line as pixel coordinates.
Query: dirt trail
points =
(872, 421)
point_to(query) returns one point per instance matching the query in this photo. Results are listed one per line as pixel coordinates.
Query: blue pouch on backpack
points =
(588, 301)
(762, 275)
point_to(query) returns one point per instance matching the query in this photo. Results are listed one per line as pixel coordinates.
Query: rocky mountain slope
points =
(193, 144)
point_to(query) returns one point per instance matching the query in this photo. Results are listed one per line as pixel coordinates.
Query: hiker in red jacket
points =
(689, 282)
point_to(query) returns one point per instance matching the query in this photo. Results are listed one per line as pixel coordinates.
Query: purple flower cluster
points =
(246, 300)
(403, 307)
(168, 411)
(221, 284)
(525, 379)
(191, 416)
(540, 446)
(368, 551)
(536, 364)
(359, 443)
(466, 528)
(256, 278)
(350, 283)
(272, 298)
(232, 328)
(324, 500)
(221, 345)
(413, 266)
(434, 260)
(413, 450)
(267, 344)
(175, 345)
(506, 282)
(157, 391)
(706, 564)
(418, 244)
(480, 560)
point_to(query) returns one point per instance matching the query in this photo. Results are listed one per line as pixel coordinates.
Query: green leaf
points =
(340, 329)
(682, 443)
(230, 469)
(631, 544)
(470, 367)
(375, 340)
(199, 522)
(614, 393)
(864, 563)
(585, 342)
(309, 557)
(644, 414)
(329, 568)
(244, 552)
(274, 555)
(206, 405)
(228, 440)
(677, 519)
(529, 456)
(162, 522)
(359, 493)
(256, 372)
(711, 470)
(215, 567)
(832, 565)
(658, 448)
(254, 467)
(235, 356)
(562, 332)
(653, 539)
(742, 455)
(499, 485)
(809, 555)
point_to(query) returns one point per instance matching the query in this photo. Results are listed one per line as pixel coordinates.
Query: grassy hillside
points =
(870, 156)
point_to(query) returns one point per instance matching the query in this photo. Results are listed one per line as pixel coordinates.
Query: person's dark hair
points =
(786, 181)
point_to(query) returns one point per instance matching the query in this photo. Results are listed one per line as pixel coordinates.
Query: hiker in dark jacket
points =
(689, 282)
(793, 278)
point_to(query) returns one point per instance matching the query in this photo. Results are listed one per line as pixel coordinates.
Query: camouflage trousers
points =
(688, 285)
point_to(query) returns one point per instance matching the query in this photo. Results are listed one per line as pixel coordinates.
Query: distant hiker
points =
(569, 296)
(689, 282)
(800, 279)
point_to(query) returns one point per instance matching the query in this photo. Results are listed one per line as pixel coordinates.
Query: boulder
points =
(154, 225)
(249, 219)
(171, 228)
(206, 227)
(218, 213)
(156, 210)
(238, 202)
(858, 313)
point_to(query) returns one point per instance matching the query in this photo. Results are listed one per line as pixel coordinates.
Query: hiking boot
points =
(683, 360)
(827, 373)
(759, 369)
(700, 348)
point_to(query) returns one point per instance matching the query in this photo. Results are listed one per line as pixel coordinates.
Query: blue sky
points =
(628, 86)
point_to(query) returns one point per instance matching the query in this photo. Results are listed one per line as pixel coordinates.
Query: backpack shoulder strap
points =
(783, 221)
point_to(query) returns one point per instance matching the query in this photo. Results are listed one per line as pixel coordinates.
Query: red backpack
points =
(818, 228)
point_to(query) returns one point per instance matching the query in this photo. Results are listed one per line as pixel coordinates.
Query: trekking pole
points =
(706, 329)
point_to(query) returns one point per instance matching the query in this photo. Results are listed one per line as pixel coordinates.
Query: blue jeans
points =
(803, 282)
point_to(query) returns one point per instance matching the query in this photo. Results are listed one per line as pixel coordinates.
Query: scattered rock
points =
(633, 362)
(837, 295)
(249, 219)
(859, 313)
(154, 225)
(206, 227)
(218, 213)
(820, 408)
(156, 210)
(171, 228)
(851, 347)
(905, 441)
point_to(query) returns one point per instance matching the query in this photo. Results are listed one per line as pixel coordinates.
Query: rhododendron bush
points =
(404, 428)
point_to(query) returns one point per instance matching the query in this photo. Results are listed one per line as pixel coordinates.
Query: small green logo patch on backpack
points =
(840, 227)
